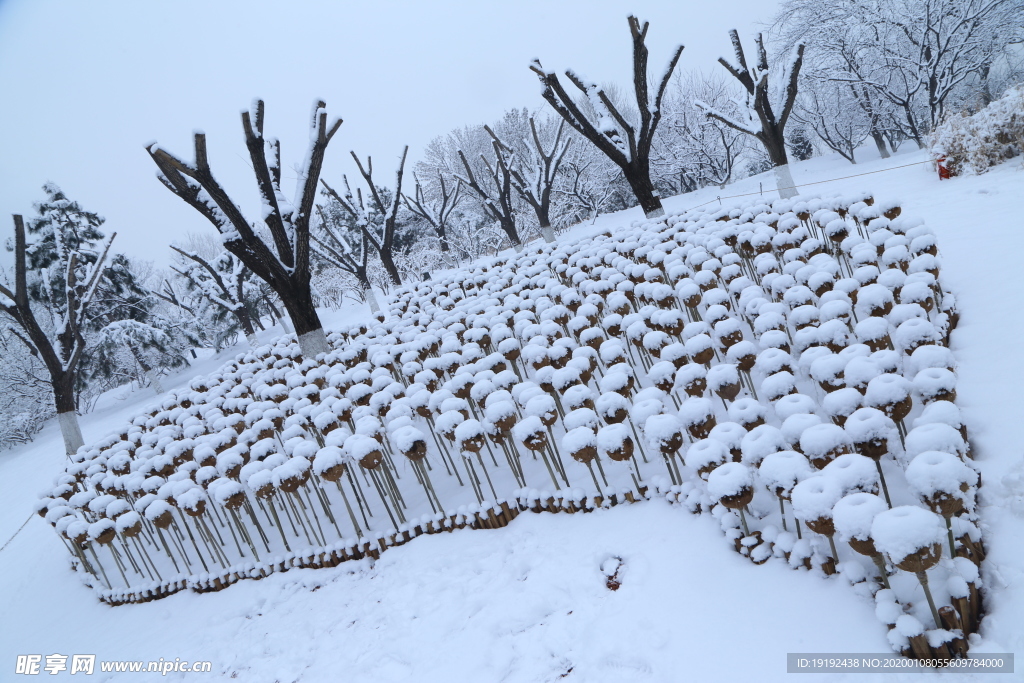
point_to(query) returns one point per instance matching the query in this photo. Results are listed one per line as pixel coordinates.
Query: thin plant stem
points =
(885, 488)
(277, 521)
(100, 565)
(923, 578)
(348, 507)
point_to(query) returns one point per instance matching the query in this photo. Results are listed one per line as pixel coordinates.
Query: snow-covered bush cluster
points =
(781, 367)
(19, 428)
(973, 144)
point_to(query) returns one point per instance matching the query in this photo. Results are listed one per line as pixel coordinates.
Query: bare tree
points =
(437, 212)
(27, 399)
(608, 129)
(378, 221)
(833, 112)
(693, 144)
(60, 349)
(170, 295)
(942, 43)
(757, 117)
(534, 184)
(334, 247)
(284, 266)
(496, 200)
(842, 47)
(875, 111)
(919, 58)
(210, 284)
(588, 185)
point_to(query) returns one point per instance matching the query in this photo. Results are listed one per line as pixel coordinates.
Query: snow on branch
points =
(747, 126)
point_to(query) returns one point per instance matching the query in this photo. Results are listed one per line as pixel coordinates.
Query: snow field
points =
(751, 267)
(982, 407)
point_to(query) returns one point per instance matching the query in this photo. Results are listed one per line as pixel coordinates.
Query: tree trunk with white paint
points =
(64, 400)
(71, 432)
(606, 128)
(281, 256)
(314, 343)
(784, 182)
(154, 382)
(371, 299)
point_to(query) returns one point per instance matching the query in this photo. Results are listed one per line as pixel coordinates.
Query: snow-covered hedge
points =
(973, 144)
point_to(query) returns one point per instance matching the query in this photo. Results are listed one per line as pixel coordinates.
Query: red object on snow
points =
(944, 173)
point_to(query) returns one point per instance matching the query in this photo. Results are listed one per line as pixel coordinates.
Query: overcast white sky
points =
(86, 84)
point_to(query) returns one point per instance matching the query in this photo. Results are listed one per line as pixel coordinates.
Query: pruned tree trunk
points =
(383, 243)
(608, 130)
(339, 252)
(497, 202)
(67, 416)
(62, 353)
(759, 119)
(284, 265)
(650, 201)
(535, 187)
(388, 261)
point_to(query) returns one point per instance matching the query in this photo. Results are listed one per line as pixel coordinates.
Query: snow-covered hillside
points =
(530, 602)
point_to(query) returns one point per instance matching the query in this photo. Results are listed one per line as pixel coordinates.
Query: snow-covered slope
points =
(529, 602)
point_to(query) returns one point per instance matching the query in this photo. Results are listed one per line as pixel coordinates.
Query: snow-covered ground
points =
(529, 602)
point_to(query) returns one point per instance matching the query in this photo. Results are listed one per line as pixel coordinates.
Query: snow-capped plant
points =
(973, 144)
(568, 365)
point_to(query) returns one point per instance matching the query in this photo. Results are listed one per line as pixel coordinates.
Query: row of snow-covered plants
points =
(780, 367)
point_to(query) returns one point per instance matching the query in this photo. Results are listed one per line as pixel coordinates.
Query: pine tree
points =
(125, 351)
(800, 144)
(132, 340)
(61, 226)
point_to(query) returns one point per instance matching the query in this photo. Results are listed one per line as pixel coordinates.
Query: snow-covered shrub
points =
(973, 144)
(19, 428)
